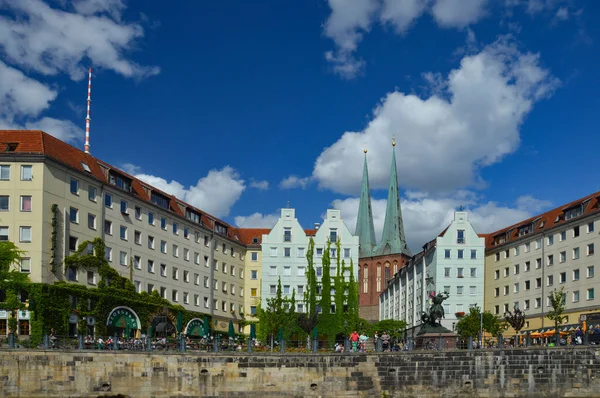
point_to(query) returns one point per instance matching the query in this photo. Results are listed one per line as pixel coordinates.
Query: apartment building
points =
(252, 239)
(451, 263)
(527, 261)
(284, 251)
(53, 197)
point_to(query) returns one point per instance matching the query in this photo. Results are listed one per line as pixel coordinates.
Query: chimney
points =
(317, 225)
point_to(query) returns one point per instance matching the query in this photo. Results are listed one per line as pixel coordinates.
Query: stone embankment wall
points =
(494, 373)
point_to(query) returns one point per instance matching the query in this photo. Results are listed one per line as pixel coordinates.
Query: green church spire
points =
(393, 240)
(364, 222)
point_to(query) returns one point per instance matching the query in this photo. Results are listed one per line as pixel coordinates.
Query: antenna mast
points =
(87, 118)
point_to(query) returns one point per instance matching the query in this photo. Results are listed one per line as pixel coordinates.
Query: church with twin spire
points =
(379, 262)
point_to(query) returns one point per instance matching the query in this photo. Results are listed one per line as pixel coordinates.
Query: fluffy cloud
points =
(458, 13)
(260, 185)
(40, 39)
(292, 182)
(444, 139)
(347, 23)
(51, 41)
(257, 220)
(215, 193)
(426, 216)
(20, 95)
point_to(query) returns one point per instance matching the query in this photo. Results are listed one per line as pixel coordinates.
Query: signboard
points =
(23, 314)
(195, 327)
(590, 318)
(73, 318)
(3, 314)
(123, 317)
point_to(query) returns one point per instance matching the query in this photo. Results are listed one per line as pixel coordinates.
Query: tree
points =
(279, 314)
(557, 302)
(470, 325)
(12, 281)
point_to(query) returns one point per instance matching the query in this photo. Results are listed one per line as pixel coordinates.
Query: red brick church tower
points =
(379, 263)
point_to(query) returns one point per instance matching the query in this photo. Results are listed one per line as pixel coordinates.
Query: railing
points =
(211, 344)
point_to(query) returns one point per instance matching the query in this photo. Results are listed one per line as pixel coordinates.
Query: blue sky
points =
(239, 107)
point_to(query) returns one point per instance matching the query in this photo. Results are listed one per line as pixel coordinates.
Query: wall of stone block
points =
(458, 373)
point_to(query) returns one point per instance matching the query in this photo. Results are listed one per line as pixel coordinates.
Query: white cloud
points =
(402, 13)
(40, 39)
(52, 41)
(292, 182)
(562, 13)
(22, 99)
(426, 217)
(215, 193)
(345, 26)
(257, 220)
(443, 140)
(260, 185)
(114, 8)
(64, 130)
(20, 95)
(458, 13)
(530, 204)
(348, 23)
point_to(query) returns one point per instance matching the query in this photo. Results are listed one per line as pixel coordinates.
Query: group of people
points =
(359, 342)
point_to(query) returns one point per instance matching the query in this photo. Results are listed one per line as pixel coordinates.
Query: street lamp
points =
(480, 326)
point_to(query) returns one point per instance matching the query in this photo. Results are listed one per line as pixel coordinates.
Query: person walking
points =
(354, 340)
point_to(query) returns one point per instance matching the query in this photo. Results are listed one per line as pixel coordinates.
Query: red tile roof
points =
(310, 232)
(246, 235)
(39, 143)
(545, 221)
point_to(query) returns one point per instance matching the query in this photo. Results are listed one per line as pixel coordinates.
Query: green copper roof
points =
(393, 240)
(364, 222)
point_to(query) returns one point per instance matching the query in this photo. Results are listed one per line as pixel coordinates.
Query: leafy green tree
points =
(557, 302)
(279, 314)
(12, 281)
(470, 324)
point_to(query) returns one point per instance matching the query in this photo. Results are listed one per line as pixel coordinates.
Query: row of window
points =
(137, 261)
(575, 298)
(460, 254)
(138, 214)
(301, 252)
(460, 272)
(26, 172)
(562, 278)
(72, 275)
(549, 241)
(460, 290)
(24, 203)
(25, 233)
(549, 261)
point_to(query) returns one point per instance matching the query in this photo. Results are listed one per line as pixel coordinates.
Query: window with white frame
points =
(273, 252)
(253, 256)
(24, 234)
(123, 258)
(25, 203)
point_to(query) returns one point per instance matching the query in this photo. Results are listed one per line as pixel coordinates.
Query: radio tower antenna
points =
(87, 118)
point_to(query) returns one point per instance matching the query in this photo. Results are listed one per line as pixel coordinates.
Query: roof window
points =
(86, 167)
(11, 147)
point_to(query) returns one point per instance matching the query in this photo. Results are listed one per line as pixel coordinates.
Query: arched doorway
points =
(123, 321)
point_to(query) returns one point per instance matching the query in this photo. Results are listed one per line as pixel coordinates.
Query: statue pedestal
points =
(431, 341)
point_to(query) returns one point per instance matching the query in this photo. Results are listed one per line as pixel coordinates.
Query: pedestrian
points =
(354, 340)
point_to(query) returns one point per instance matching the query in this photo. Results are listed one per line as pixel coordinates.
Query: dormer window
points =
(119, 181)
(255, 240)
(160, 200)
(192, 216)
(11, 147)
(573, 212)
(220, 229)
(525, 229)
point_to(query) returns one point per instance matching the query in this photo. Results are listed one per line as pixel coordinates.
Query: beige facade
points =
(546, 254)
(165, 245)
